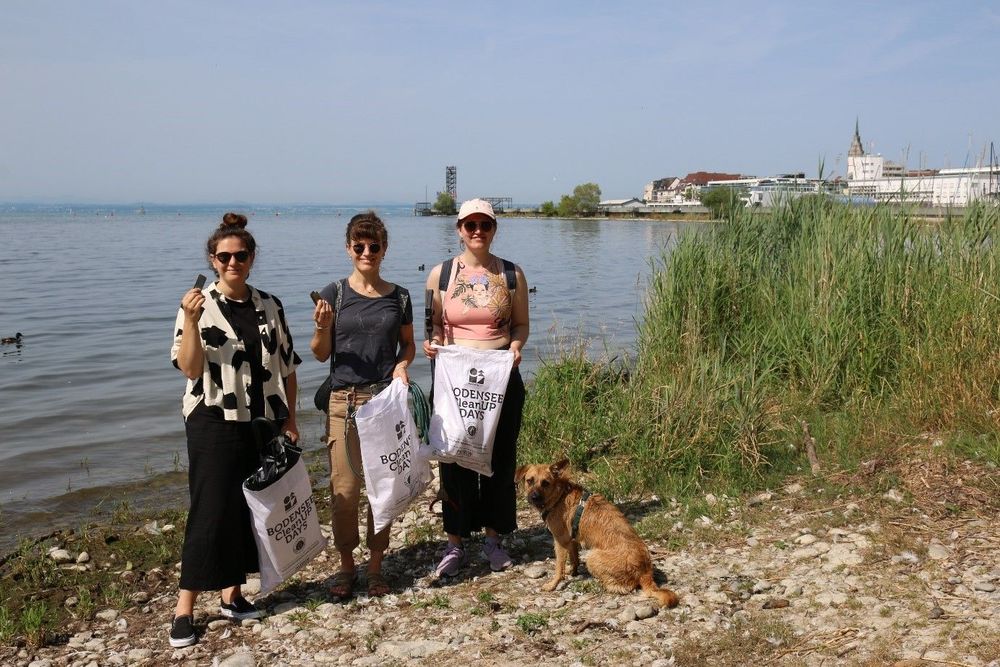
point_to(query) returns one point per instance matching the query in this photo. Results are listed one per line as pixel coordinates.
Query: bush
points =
(445, 204)
(722, 201)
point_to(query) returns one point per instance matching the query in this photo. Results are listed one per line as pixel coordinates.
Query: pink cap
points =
(476, 206)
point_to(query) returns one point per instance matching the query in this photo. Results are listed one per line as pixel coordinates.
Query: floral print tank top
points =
(477, 303)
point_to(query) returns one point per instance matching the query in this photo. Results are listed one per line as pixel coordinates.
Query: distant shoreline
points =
(697, 216)
(664, 216)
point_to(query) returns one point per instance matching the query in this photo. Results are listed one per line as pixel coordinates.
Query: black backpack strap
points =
(510, 272)
(445, 274)
(404, 298)
(338, 301)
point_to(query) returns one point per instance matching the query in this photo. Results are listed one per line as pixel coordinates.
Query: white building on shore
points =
(873, 176)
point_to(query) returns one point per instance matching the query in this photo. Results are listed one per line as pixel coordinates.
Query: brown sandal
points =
(343, 585)
(377, 585)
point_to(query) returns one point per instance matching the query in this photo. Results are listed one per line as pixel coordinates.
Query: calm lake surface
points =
(91, 405)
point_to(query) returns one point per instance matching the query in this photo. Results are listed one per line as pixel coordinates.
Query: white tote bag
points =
(396, 470)
(469, 387)
(286, 527)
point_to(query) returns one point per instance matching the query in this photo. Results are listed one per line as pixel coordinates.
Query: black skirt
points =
(219, 548)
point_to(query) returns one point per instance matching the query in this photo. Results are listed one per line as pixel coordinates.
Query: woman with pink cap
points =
(481, 301)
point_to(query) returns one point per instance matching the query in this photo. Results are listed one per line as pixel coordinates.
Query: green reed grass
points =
(866, 324)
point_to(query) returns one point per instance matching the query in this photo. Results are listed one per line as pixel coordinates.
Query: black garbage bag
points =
(277, 454)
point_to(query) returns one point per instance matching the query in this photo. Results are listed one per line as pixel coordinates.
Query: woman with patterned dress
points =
(232, 342)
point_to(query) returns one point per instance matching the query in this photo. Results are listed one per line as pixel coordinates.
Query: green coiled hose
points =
(421, 412)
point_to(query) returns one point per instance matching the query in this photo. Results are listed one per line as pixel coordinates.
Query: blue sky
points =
(332, 102)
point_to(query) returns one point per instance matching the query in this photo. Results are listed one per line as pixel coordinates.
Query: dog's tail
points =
(665, 596)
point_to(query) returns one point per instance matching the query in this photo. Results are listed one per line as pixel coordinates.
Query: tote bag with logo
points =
(286, 528)
(396, 470)
(469, 388)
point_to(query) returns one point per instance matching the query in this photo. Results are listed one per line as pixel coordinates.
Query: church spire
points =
(856, 149)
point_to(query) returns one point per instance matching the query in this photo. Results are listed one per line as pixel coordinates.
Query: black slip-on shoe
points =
(182, 631)
(240, 609)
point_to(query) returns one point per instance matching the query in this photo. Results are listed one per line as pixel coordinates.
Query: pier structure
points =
(500, 204)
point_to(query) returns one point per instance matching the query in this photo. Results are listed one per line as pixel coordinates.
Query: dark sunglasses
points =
(240, 255)
(373, 248)
(472, 226)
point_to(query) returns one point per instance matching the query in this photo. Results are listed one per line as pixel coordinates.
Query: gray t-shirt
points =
(366, 334)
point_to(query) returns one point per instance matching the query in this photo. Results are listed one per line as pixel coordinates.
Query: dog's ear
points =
(519, 474)
(557, 467)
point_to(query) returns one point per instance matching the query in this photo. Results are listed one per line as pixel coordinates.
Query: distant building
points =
(871, 175)
(620, 205)
(662, 190)
(692, 184)
(863, 167)
(674, 190)
(700, 179)
(767, 192)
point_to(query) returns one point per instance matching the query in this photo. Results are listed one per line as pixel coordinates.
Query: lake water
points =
(89, 402)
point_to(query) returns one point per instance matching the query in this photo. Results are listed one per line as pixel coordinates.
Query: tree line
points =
(582, 203)
(587, 196)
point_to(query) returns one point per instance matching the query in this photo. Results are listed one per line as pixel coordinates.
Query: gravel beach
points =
(799, 575)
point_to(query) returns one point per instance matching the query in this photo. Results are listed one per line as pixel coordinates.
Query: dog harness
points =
(575, 523)
(575, 526)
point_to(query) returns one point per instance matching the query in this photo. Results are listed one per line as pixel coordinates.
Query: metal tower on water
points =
(451, 182)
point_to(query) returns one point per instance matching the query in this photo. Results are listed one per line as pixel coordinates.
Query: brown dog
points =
(618, 557)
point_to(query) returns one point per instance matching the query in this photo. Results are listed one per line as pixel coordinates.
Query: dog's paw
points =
(551, 586)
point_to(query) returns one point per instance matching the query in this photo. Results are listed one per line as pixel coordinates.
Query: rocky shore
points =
(824, 571)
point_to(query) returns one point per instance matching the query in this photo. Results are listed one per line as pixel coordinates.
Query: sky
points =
(347, 102)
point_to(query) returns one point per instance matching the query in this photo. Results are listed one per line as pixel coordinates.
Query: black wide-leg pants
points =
(219, 548)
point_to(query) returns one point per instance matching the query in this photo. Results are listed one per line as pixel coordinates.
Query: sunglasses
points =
(472, 226)
(240, 255)
(373, 248)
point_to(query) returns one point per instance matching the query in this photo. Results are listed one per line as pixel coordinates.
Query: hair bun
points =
(231, 219)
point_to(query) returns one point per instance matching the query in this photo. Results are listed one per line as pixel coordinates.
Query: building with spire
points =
(870, 175)
(856, 149)
(863, 167)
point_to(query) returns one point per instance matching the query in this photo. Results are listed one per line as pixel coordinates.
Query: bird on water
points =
(12, 340)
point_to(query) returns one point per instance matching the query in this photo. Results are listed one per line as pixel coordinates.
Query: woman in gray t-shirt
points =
(364, 326)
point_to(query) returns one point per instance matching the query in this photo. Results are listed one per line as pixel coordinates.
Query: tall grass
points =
(866, 324)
